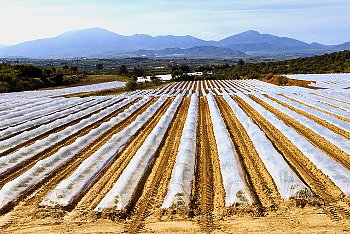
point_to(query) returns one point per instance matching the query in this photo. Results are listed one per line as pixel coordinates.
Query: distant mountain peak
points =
(95, 30)
(251, 32)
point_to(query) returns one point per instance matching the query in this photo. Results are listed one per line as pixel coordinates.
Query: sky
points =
(326, 21)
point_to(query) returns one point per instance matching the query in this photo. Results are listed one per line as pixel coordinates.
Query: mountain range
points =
(101, 43)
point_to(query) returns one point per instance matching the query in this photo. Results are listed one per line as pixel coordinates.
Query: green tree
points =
(123, 70)
(240, 62)
(99, 67)
(131, 85)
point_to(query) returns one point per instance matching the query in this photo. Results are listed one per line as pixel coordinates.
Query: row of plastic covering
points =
(331, 101)
(337, 105)
(21, 115)
(319, 114)
(334, 170)
(121, 193)
(26, 153)
(30, 123)
(8, 107)
(179, 190)
(64, 91)
(320, 106)
(341, 95)
(338, 140)
(24, 115)
(287, 182)
(340, 80)
(19, 103)
(84, 175)
(28, 135)
(49, 165)
(232, 175)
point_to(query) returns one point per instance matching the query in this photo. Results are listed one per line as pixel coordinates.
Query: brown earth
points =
(276, 80)
(327, 212)
(289, 219)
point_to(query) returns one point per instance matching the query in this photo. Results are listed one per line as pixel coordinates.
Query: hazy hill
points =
(254, 37)
(193, 52)
(344, 46)
(98, 42)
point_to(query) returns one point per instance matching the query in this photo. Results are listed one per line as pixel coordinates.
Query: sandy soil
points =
(286, 220)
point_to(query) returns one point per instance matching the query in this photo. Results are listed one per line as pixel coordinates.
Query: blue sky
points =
(326, 21)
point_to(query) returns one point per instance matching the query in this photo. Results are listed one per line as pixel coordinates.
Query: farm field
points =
(222, 156)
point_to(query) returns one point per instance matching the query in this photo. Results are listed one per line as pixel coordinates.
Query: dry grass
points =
(285, 81)
(92, 79)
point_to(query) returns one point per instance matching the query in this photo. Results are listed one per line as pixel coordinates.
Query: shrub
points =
(131, 85)
(282, 80)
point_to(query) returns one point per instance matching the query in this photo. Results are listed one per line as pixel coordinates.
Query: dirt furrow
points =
(26, 165)
(107, 178)
(319, 183)
(208, 193)
(260, 181)
(314, 118)
(315, 108)
(326, 146)
(150, 197)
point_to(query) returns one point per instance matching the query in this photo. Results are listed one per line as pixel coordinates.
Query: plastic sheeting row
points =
(321, 106)
(121, 193)
(334, 170)
(26, 153)
(319, 114)
(30, 123)
(288, 183)
(179, 190)
(71, 187)
(28, 135)
(47, 166)
(232, 175)
(338, 140)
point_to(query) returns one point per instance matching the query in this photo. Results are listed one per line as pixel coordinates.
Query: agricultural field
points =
(221, 156)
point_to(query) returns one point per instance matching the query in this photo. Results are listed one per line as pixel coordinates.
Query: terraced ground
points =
(210, 156)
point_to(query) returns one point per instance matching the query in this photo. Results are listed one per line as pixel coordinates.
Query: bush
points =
(282, 80)
(131, 85)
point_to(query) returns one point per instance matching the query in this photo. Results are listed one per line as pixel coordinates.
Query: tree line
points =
(338, 62)
(28, 77)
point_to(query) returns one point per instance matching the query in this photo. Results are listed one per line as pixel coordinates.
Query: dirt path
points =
(208, 194)
(319, 183)
(260, 181)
